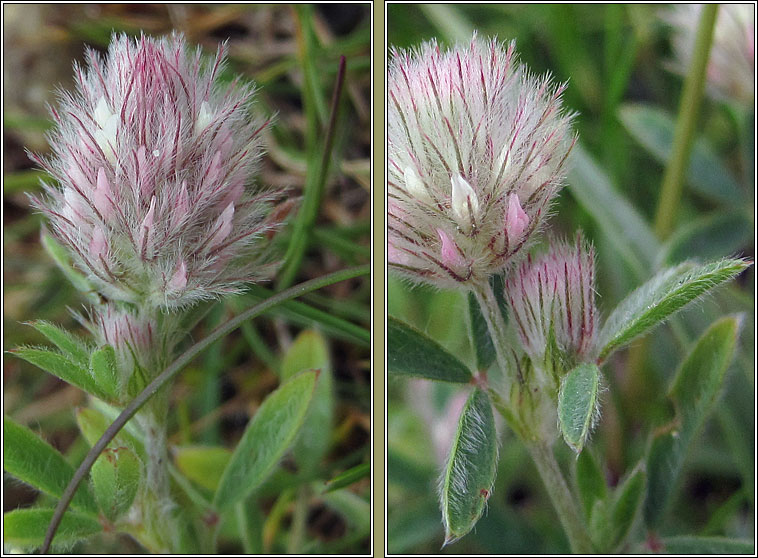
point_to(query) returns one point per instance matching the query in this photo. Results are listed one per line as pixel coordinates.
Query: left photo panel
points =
(187, 278)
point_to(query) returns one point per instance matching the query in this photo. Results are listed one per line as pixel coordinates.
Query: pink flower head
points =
(553, 296)
(476, 150)
(154, 159)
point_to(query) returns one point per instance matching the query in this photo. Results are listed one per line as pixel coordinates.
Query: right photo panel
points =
(571, 284)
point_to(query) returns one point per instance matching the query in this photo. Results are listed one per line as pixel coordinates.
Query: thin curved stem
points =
(173, 369)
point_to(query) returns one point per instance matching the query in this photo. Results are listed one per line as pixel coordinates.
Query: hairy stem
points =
(552, 477)
(485, 296)
(563, 500)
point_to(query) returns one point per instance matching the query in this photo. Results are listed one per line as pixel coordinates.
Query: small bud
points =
(223, 227)
(451, 257)
(553, 296)
(179, 279)
(516, 219)
(101, 198)
(464, 202)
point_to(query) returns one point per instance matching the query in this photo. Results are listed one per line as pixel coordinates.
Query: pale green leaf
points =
(34, 461)
(310, 352)
(411, 353)
(105, 370)
(660, 297)
(471, 466)
(26, 528)
(60, 366)
(268, 435)
(69, 344)
(578, 404)
(116, 478)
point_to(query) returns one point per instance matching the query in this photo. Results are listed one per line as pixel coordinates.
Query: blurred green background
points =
(275, 46)
(615, 59)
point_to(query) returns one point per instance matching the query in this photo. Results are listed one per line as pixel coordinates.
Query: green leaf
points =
(34, 461)
(707, 545)
(26, 528)
(480, 334)
(116, 477)
(694, 390)
(71, 346)
(627, 502)
(471, 467)
(105, 370)
(653, 128)
(346, 478)
(660, 297)
(578, 404)
(203, 464)
(60, 366)
(310, 352)
(590, 481)
(268, 435)
(411, 353)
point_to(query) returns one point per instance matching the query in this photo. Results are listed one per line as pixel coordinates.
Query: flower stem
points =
(485, 296)
(689, 104)
(561, 496)
(541, 453)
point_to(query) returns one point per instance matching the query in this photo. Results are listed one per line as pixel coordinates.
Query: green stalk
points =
(684, 133)
(540, 450)
(563, 500)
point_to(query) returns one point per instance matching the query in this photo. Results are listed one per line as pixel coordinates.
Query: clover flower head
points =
(552, 296)
(477, 148)
(731, 66)
(153, 158)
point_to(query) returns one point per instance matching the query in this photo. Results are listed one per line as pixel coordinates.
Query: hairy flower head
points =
(153, 159)
(552, 297)
(476, 153)
(731, 65)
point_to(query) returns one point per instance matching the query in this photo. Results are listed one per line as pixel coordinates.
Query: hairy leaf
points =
(115, 478)
(60, 366)
(268, 435)
(411, 353)
(578, 404)
(26, 527)
(69, 344)
(471, 466)
(660, 297)
(34, 461)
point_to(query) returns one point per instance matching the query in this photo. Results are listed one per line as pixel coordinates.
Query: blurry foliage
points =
(215, 397)
(613, 57)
